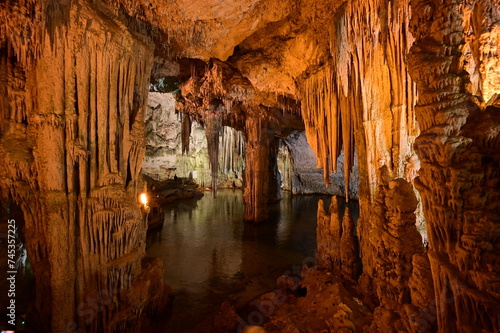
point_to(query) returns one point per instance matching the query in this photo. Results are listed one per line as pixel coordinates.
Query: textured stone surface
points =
(71, 158)
(301, 176)
(72, 138)
(164, 151)
(451, 62)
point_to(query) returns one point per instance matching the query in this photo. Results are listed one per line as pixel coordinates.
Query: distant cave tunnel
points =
(103, 101)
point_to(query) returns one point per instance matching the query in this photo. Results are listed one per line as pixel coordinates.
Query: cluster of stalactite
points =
(72, 145)
(364, 96)
(363, 93)
(328, 128)
(219, 96)
(458, 148)
(232, 150)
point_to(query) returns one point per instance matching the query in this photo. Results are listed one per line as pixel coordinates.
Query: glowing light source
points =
(144, 199)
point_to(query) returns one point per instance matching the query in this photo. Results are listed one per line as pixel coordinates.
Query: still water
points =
(210, 255)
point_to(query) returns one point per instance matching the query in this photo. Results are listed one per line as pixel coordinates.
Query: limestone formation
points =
(72, 146)
(329, 233)
(409, 90)
(453, 64)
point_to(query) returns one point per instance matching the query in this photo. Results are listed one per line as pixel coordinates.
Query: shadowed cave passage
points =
(406, 92)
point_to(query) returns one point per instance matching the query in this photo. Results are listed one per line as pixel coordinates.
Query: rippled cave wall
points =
(406, 92)
(454, 62)
(74, 88)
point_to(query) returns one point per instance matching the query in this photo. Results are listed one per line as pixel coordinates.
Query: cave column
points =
(258, 187)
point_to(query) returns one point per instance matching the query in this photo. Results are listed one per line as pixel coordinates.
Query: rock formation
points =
(176, 146)
(297, 164)
(454, 63)
(72, 146)
(409, 87)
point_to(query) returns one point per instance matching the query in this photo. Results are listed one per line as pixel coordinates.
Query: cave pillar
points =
(458, 147)
(258, 189)
(274, 174)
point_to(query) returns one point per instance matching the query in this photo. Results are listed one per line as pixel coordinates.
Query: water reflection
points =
(210, 255)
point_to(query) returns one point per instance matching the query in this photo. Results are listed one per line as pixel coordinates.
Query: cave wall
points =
(72, 146)
(164, 149)
(454, 62)
(412, 86)
(301, 176)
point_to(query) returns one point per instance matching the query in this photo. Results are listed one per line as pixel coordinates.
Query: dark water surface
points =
(210, 255)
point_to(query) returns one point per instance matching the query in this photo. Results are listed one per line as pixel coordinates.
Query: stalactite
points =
(365, 89)
(231, 148)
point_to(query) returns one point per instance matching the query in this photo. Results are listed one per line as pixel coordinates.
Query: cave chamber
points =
(397, 101)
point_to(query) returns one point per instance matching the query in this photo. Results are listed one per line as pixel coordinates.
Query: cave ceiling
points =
(273, 43)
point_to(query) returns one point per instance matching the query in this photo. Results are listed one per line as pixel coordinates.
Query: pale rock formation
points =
(300, 175)
(166, 156)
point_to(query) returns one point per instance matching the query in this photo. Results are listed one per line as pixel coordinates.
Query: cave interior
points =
(400, 98)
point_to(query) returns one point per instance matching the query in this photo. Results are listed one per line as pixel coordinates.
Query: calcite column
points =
(274, 175)
(257, 174)
(72, 145)
(329, 233)
(454, 61)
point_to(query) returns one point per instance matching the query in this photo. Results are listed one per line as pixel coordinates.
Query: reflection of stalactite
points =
(212, 132)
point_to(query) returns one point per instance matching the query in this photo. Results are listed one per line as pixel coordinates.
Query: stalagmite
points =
(349, 251)
(329, 234)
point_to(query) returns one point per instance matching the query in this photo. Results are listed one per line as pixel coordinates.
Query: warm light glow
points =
(144, 199)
